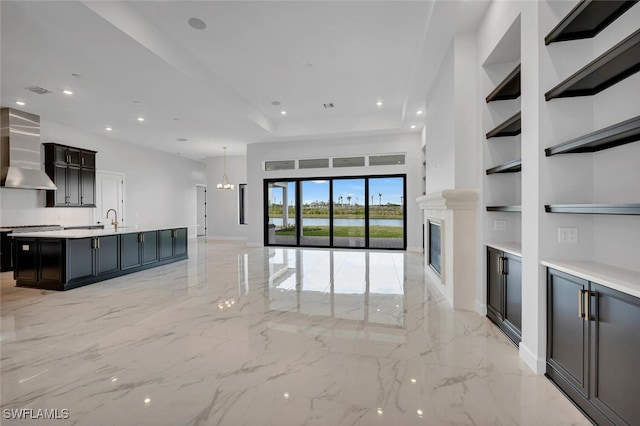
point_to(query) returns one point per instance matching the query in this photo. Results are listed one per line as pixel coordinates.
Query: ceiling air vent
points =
(39, 90)
(182, 139)
(328, 105)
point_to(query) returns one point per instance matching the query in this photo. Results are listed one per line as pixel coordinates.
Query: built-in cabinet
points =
(73, 171)
(65, 263)
(593, 342)
(504, 292)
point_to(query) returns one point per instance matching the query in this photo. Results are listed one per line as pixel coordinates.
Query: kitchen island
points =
(62, 260)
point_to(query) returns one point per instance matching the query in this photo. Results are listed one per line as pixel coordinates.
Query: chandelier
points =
(224, 185)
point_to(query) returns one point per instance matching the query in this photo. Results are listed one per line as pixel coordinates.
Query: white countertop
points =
(510, 247)
(619, 279)
(88, 233)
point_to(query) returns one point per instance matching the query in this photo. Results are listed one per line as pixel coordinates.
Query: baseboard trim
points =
(538, 365)
(481, 308)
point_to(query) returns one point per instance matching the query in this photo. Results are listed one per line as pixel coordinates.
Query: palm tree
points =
(380, 195)
(340, 200)
(349, 199)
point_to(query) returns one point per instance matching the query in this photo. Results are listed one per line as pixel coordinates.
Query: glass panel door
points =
(349, 212)
(314, 220)
(386, 212)
(281, 213)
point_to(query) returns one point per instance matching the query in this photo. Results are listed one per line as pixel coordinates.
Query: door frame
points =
(200, 185)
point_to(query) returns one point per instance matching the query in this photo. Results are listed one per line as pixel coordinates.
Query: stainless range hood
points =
(20, 152)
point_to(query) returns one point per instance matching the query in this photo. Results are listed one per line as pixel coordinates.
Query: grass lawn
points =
(346, 231)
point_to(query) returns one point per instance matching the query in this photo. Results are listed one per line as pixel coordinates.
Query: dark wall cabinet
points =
(65, 263)
(504, 292)
(73, 172)
(593, 342)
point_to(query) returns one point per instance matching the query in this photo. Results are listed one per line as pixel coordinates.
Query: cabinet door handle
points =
(505, 266)
(581, 303)
(98, 242)
(140, 238)
(587, 304)
(82, 161)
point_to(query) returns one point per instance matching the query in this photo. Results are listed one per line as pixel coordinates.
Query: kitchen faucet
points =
(114, 222)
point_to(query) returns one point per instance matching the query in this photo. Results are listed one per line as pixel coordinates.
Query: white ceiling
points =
(216, 86)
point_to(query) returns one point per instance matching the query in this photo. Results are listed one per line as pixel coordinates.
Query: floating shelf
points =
(624, 209)
(509, 88)
(510, 127)
(616, 64)
(619, 134)
(587, 19)
(517, 209)
(510, 167)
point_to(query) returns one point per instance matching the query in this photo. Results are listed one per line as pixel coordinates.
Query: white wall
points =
(159, 187)
(408, 143)
(222, 206)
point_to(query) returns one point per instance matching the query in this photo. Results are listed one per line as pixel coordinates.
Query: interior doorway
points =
(201, 210)
(109, 195)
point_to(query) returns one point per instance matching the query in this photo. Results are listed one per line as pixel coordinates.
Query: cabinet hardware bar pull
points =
(505, 266)
(98, 241)
(500, 265)
(581, 303)
(587, 315)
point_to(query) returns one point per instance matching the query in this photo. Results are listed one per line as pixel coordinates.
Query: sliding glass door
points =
(349, 213)
(281, 213)
(315, 219)
(345, 212)
(386, 212)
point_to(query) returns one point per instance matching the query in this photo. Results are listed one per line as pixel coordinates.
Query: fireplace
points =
(450, 252)
(434, 255)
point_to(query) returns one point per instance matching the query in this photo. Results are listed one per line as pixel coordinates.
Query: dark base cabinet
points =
(66, 263)
(593, 344)
(504, 292)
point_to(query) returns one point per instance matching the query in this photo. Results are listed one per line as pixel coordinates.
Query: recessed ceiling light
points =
(379, 103)
(419, 112)
(108, 129)
(140, 119)
(413, 126)
(283, 112)
(67, 92)
(20, 103)
(197, 24)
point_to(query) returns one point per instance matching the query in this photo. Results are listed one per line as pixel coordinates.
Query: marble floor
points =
(264, 336)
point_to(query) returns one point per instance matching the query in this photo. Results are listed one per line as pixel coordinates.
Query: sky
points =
(318, 190)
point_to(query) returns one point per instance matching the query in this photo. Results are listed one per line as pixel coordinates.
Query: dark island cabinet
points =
(37, 260)
(65, 263)
(73, 172)
(504, 292)
(173, 243)
(138, 249)
(593, 342)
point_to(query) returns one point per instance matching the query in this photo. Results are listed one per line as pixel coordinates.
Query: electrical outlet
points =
(567, 235)
(499, 225)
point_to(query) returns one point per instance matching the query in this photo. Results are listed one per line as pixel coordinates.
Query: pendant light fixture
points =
(224, 186)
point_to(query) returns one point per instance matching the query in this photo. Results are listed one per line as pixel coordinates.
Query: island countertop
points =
(88, 233)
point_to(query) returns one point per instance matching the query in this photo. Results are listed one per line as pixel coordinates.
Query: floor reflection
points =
(352, 285)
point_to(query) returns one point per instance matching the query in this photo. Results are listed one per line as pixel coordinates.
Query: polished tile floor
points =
(259, 336)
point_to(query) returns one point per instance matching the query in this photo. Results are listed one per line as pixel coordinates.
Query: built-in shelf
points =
(619, 134)
(517, 209)
(509, 88)
(509, 127)
(616, 64)
(623, 209)
(510, 167)
(587, 19)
